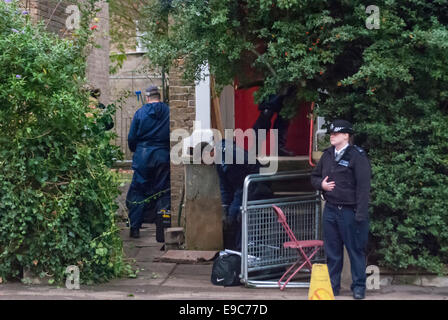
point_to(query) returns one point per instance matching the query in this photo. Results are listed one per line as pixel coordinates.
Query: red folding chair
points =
(296, 244)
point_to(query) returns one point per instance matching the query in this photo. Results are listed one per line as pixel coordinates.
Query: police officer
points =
(343, 175)
(149, 139)
(105, 121)
(231, 183)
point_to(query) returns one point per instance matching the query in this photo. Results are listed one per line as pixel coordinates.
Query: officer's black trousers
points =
(264, 123)
(340, 228)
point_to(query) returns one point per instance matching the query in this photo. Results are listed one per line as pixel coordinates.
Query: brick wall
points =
(182, 115)
(98, 60)
(52, 13)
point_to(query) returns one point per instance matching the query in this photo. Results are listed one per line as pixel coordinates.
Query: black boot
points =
(283, 152)
(282, 125)
(134, 233)
(163, 221)
(160, 233)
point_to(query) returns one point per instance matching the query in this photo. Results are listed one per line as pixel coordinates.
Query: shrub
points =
(57, 193)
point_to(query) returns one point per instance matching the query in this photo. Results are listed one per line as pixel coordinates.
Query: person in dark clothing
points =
(343, 175)
(231, 181)
(231, 184)
(105, 121)
(149, 139)
(268, 108)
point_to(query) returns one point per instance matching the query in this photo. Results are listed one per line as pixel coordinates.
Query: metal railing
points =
(263, 254)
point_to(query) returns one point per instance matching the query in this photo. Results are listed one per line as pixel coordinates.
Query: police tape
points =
(148, 200)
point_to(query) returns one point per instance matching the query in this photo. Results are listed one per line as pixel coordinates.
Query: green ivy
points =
(57, 192)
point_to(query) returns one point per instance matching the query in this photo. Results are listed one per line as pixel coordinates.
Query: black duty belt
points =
(341, 206)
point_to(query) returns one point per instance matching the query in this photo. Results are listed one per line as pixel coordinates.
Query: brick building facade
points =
(51, 12)
(129, 79)
(54, 16)
(182, 116)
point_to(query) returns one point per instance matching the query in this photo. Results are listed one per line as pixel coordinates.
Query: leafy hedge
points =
(397, 95)
(392, 82)
(57, 193)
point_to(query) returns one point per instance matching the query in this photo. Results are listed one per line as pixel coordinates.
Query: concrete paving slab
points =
(187, 270)
(147, 254)
(188, 256)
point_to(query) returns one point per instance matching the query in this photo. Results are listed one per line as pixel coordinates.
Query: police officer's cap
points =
(152, 91)
(341, 126)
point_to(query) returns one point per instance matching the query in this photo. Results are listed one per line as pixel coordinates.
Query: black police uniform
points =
(231, 183)
(345, 217)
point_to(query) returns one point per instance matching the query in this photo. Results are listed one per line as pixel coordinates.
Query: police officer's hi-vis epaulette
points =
(359, 149)
(345, 159)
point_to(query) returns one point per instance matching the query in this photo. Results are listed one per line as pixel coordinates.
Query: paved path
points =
(171, 281)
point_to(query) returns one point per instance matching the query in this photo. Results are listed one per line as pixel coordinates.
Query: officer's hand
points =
(328, 186)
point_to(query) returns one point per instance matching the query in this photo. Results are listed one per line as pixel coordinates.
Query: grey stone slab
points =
(188, 256)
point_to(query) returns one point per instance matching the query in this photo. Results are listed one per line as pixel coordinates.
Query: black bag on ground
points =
(226, 270)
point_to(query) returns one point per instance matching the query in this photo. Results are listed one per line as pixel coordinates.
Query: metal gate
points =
(263, 255)
(134, 76)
